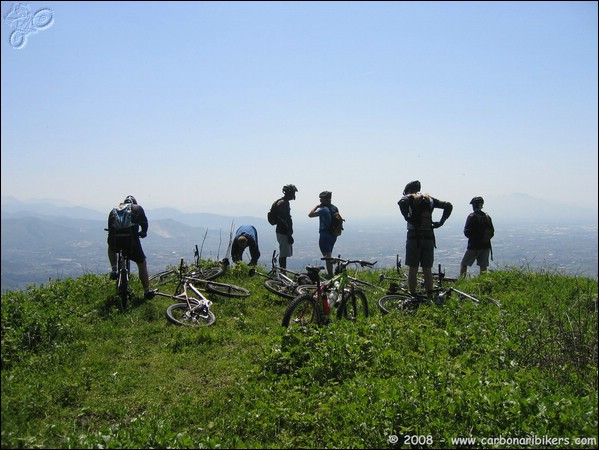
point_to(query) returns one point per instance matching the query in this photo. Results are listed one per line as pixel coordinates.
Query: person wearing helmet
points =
(417, 209)
(326, 241)
(284, 224)
(479, 230)
(137, 227)
(245, 236)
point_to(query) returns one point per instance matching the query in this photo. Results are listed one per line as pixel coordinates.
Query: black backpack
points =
(486, 230)
(271, 216)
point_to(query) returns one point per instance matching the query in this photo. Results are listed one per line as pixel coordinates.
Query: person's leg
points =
(282, 262)
(467, 261)
(412, 279)
(428, 280)
(326, 243)
(112, 259)
(142, 269)
(483, 260)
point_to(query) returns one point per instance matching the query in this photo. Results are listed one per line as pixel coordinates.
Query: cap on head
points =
(289, 188)
(325, 194)
(412, 187)
(130, 199)
(477, 201)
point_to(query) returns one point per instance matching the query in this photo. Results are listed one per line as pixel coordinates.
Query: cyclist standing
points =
(130, 243)
(284, 222)
(417, 209)
(326, 241)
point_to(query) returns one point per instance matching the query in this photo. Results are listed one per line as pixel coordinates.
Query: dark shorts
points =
(481, 257)
(326, 242)
(285, 248)
(130, 245)
(420, 252)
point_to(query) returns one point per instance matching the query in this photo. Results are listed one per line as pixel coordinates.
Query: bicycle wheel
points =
(196, 316)
(306, 289)
(353, 306)
(122, 286)
(280, 288)
(397, 302)
(211, 273)
(227, 290)
(164, 277)
(302, 311)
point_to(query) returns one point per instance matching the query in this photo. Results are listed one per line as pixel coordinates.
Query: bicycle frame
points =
(123, 270)
(351, 301)
(195, 311)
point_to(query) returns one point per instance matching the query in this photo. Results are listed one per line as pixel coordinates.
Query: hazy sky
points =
(214, 106)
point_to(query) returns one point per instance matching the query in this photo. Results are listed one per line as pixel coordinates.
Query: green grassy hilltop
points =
(79, 373)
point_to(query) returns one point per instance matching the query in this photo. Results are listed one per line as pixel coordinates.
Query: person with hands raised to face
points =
(327, 239)
(417, 209)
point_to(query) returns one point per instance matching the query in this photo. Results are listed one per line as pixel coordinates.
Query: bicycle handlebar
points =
(140, 234)
(346, 262)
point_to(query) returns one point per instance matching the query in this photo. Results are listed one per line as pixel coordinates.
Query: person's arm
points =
(447, 209)
(314, 212)
(254, 251)
(142, 221)
(404, 207)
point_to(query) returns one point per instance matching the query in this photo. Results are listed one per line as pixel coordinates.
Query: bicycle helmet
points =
(130, 199)
(412, 187)
(289, 188)
(477, 200)
(325, 194)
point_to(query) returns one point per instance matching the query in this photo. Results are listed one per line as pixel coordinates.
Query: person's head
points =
(289, 191)
(477, 203)
(325, 196)
(130, 199)
(239, 245)
(242, 241)
(412, 187)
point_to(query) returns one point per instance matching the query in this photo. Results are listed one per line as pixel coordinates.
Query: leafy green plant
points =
(79, 373)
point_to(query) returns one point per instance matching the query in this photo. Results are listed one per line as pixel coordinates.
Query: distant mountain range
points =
(45, 240)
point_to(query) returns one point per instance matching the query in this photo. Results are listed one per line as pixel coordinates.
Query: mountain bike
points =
(399, 298)
(339, 292)
(196, 270)
(211, 286)
(123, 269)
(189, 311)
(283, 282)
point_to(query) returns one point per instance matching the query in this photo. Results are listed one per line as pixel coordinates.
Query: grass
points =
(79, 373)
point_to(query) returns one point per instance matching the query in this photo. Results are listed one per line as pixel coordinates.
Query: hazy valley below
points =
(38, 248)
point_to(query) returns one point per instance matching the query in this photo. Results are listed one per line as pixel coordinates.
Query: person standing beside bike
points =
(284, 230)
(130, 242)
(327, 239)
(245, 236)
(417, 209)
(479, 230)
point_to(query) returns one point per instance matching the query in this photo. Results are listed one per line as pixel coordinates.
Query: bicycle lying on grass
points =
(196, 270)
(211, 286)
(341, 292)
(189, 311)
(399, 298)
(283, 282)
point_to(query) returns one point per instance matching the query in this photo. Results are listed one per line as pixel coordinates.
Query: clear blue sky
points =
(214, 106)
